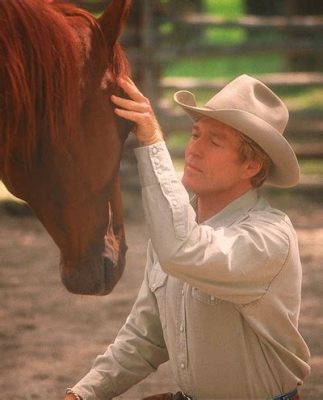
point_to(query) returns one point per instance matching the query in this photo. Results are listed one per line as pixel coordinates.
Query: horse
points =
(60, 140)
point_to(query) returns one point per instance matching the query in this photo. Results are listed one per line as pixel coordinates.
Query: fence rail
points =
(244, 49)
(252, 22)
(295, 79)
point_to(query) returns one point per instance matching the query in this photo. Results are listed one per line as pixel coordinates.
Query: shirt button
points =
(154, 150)
(174, 203)
(182, 365)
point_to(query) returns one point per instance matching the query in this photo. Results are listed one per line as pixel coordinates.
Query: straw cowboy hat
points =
(249, 106)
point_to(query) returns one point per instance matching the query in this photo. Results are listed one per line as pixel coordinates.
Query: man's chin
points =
(189, 185)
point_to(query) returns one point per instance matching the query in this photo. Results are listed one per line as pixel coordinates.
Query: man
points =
(221, 293)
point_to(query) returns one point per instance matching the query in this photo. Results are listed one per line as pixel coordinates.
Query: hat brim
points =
(285, 172)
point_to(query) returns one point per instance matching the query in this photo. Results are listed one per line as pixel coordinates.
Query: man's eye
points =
(215, 143)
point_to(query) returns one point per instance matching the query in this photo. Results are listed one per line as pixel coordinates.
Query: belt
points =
(293, 395)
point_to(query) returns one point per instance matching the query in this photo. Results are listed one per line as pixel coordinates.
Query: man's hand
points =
(138, 109)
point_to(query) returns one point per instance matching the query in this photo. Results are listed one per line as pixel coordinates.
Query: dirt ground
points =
(49, 338)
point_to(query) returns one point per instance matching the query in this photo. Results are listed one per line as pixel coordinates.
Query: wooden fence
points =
(150, 50)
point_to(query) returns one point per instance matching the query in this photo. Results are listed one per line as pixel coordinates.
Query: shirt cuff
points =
(154, 164)
(71, 391)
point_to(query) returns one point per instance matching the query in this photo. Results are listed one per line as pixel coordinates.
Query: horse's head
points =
(60, 142)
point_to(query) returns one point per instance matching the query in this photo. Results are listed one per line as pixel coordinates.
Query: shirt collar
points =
(234, 210)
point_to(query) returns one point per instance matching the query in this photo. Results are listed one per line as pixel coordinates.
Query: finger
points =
(129, 80)
(130, 104)
(133, 116)
(131, 90)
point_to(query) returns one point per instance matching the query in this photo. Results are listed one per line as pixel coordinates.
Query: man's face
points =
(212, 163)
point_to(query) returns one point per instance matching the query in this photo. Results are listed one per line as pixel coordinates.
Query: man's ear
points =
(252, 168)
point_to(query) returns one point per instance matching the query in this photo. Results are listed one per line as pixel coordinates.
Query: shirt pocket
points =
(157, 285)
(204, 298)
(216, 322)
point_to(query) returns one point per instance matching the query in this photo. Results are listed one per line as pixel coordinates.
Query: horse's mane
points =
(40, 71)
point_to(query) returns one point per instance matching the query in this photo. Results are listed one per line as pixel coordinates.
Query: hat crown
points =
(252, 96)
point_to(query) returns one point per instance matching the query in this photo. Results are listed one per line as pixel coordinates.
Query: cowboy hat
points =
(250, 107)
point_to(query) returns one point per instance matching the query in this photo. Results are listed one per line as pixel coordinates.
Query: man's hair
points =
(250, 150)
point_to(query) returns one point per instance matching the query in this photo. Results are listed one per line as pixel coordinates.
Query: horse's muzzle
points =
(97, 277)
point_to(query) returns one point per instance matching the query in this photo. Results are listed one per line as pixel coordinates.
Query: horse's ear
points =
(113, 19)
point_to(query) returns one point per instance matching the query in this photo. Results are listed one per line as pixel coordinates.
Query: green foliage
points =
(311, 98)
(226, 8)
(178, 140)
(216, 67)
(225, 35)
(311, 167)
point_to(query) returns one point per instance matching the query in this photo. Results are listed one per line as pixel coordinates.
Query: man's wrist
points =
(151, 141)
(148, 137)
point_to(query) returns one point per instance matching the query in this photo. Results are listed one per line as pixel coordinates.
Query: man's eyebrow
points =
(213, 133)
(217, 134)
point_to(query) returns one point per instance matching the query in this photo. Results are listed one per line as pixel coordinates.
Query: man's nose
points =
(196, 147)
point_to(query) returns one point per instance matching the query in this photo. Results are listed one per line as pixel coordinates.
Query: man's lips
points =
(192, 167)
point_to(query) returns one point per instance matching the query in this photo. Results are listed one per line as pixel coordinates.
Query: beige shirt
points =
(220, 300)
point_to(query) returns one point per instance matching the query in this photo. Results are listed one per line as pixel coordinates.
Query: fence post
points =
(146, 76)
(150, 71)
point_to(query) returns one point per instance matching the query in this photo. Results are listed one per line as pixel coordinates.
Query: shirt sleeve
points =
(138, 350)
(235, 263)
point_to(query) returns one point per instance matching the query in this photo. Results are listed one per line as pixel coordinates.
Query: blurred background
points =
(48, 337)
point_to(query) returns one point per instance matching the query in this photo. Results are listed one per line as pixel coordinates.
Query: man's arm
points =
(235, 263)
(138, 350)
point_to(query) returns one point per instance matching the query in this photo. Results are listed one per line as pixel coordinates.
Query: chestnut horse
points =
(60, 142)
